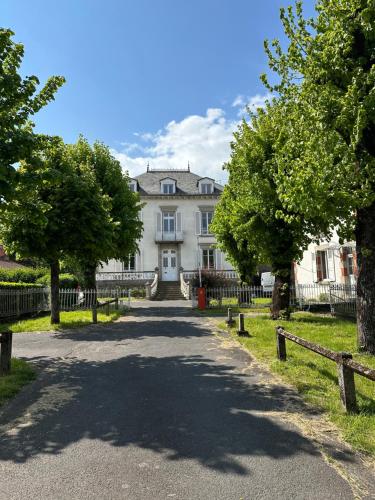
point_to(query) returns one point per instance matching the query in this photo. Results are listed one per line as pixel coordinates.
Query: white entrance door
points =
(169, 265)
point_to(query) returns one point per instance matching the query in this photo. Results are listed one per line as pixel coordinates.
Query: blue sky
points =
(156, 80)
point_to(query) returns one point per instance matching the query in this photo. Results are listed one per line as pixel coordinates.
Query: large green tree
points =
(250, 221)
(57, 210)
(327, 165)
(124, 207)
(20, 99)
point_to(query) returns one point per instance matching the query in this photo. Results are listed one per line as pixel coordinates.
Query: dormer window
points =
(133, 186)
(206, 188)
(168, 186)
(206, 185)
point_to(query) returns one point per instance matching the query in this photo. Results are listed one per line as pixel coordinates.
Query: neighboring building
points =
(328, 262)
(6, 263)
(179, 206)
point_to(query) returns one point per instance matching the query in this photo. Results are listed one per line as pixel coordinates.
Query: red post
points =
(201, 298)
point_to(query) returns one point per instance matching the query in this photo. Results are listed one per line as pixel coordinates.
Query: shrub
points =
(211, 280)
(22, 274)
(17, 286)
(66, 280)
(138, 292)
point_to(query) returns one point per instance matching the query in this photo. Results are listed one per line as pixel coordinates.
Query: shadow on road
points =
(182, 407)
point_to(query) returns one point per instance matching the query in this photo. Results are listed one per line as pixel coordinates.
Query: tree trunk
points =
(55, 285)
(89, 276)
(365, 241)
(280, 294)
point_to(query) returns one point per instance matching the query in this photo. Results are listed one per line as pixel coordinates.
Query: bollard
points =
(6, 353)
(94, 314)
(346, 384)
(230, 321)
(242, 332)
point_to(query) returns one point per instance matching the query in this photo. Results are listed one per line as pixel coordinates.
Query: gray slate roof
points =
(186, 182)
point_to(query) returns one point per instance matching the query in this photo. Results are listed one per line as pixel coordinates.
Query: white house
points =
(328, 262)
(177, 212)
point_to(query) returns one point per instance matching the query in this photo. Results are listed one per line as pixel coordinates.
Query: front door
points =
(169, 265)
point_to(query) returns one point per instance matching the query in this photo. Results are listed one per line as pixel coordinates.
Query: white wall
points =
(148, 258)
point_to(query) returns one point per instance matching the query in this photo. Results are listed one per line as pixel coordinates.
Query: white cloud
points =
(203, 141)
(252, 103)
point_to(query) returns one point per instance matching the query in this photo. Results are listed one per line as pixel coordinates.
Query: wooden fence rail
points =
(346, 367)
(105, 304)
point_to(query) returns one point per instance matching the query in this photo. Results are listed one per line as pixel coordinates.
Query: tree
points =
(124, 208)
(57, 210)
(248, 221)
(19, 101)
(327, 165)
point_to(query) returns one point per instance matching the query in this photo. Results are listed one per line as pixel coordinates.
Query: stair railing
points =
(184, 286)
(154, 285)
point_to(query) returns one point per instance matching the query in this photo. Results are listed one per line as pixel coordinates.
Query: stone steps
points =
(169, 290)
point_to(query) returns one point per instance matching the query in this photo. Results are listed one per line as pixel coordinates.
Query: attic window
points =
(206, 188)
(168, 186)
(133, 186)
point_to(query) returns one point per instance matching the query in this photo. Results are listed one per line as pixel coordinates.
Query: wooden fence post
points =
(281, 345)
(347, 385)
(116, 303)
(6, 353)
(94, 314)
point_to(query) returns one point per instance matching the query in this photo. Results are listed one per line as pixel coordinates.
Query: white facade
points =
(178, 209)
(328, 262)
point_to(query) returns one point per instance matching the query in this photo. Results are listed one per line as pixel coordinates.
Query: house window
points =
(206, 219)
(208, 258)
(168, 222)
(350, 265)
(322, 264)
(206, 188)
(133, 186)
(168, 188)
(129, 263)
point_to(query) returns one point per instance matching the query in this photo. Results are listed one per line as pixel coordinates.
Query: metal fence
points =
(338, 299)
(16, 303)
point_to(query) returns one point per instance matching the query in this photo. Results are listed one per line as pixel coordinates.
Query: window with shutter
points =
(197, 223)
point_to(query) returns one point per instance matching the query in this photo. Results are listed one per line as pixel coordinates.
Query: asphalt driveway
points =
(154, 406)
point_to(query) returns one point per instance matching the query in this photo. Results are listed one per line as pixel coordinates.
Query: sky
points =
(163, 82)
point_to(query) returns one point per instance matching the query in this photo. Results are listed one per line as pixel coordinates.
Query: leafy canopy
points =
(19, 101)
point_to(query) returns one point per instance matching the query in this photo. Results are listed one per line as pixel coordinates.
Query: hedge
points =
(22, 274)
(66, 280)
(17, 286)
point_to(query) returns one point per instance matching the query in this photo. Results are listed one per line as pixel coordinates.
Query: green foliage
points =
(20, 99)
(327, 80)
(62, 203)
(248, 220)
(19, 285)
(210, 280)
(125, 227)
(25, 275)
(67, 280)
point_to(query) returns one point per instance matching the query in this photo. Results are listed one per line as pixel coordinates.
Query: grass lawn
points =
(21, 374)
(70, 319)
(315, 377)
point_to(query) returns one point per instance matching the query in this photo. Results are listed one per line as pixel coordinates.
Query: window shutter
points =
(331, 265)
(314, 269)
(158, 222)
(197, 223)
(178, 222)
(218, 260)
